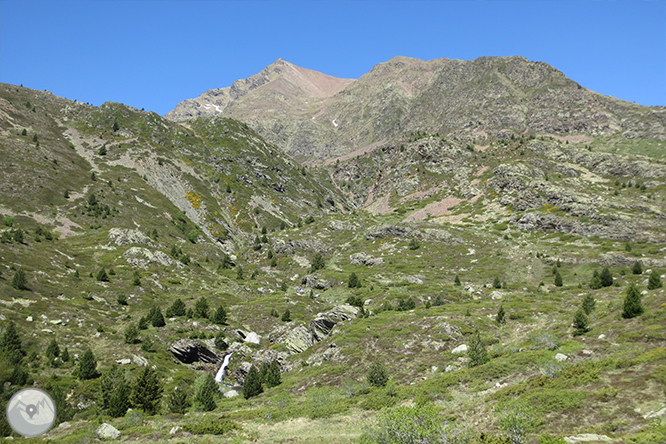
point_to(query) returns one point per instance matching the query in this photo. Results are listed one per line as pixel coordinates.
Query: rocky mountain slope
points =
(475, 100)
(396, 254)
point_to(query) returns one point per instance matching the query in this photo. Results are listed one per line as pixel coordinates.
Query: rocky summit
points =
(438, 251)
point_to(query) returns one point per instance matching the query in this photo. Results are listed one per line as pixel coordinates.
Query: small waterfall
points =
(220, 373)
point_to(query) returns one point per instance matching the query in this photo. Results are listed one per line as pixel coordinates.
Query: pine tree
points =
(10, 344)
(147, 391)
(64, 411)
(52, 350)
(20, 282)
(201, 308)
(131, 334)
(476, 351)
(632, 303)
(580, 323)
(156, 318)
(252, 385)
(263, 372)
(353, 281)
(119, 401)
(205, 393)
(606, 278)
(286, 316)
(588, 304)
(239, 273)
(221, 342)
(273, 377)
(497, 283)
(501, 315)
(102, 276)
(456, 281)
(637, 268)
(177, 308)
(654, 281)
(179, 402)
(317, 263)
(143, 323)
(87, 366)
(220, 316)
(377, 375)
(414, 244)
(558, 279)
(65, 355)
(595, 284)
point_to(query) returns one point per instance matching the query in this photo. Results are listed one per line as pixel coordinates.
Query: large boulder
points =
(312, 281)
(107, 431)
(299, 339)
(321, 326)
(188, 351)
(365, 259)
(125, 237)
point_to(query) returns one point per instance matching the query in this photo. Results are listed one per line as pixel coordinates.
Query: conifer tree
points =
(10, 344)
(377, 375)
(588, 304)
(87, 366)
(654, 281)
(65, 355)
(580, 323)
(632, 303)
(606, 278)
(558, 279)
(20, 281)
(201, 308)
(102, 276)
(456, 281)
(239, 273)
(497, 283)
(637, 268)
(220, 316)
(220, 342)
(64, 411)
(476, 351)
(353, 281)
(252, 385)
(177, 309)
(143, 323)
(147, 391)
(53, 350)
(286, 316)
(156, 318)
(179, 402)
(205, 393)
(273, 377)
(119, 401)
(131, 334)
(317, 263)
(501, 319)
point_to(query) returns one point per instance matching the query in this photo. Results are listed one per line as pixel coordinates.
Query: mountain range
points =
(441, 225)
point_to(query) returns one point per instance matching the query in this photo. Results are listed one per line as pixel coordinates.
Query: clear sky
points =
(154, 54)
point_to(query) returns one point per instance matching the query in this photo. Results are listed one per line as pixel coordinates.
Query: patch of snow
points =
(335, 123)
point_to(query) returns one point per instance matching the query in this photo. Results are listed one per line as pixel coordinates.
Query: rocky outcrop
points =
(299, 339)
(143, 257)
(289, 247)
(188, 351)
(365, 259)
(125, 237)
(312, 281)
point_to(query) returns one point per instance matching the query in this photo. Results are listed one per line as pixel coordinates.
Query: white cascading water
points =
(220, 373)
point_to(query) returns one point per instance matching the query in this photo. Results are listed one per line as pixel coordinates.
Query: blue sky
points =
(154, 54)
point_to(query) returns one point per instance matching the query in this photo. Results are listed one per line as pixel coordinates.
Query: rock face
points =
(188, 351)
(301, 338)
(462, 348)
(107, 431)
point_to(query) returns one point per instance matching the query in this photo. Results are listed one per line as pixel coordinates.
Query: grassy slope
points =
(606, 391)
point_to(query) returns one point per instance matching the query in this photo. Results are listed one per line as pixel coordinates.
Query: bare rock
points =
(188, 351)
(125, 237)
(107, 431)
(462, 348)
(312, 281)
(143, 257)
(365, 259)
(252, 338)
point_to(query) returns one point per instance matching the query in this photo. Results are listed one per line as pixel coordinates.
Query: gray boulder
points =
(312, 281)
(365, 259)
(107, 431)
(125, 237)
(299, 339)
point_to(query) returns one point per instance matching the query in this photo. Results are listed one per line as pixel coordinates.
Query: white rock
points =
(252, 338)
(462, 348)
(602, 336)
(174, 430)
(123, 361)
(106, 431)
(29, 319)
(231, 394)
(560, 357)
(434, 369)
(585, 437)
(139, 360)
(586, 352)
(450, 368)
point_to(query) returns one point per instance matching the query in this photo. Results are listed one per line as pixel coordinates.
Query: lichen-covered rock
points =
(462, 348)
(107, 431)
(289, 247)
(321, 327)
(143, 257)
(299, 339)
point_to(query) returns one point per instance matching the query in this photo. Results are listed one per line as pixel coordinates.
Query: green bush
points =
(632, 306)
(377, 375)
(212, 426)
